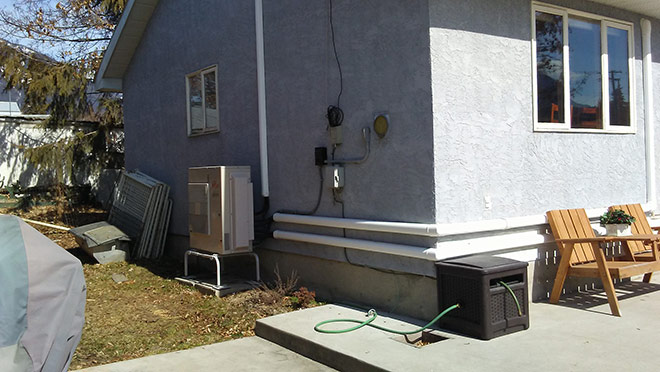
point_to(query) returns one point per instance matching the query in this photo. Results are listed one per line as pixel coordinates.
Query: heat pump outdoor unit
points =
(220, 215)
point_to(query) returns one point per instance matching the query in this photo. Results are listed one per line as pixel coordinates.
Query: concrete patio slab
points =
(577, 335)
(246, 354)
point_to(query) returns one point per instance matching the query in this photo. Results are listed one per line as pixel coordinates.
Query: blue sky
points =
(5, 3)
(8, 5)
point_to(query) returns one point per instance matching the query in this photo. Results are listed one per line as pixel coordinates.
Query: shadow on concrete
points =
(588, 299)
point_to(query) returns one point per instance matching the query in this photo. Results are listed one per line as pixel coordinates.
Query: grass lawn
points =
(151, 313)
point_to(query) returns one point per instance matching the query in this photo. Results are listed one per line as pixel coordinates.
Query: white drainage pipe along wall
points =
(365, 245)
(508, 234)
(649, 122)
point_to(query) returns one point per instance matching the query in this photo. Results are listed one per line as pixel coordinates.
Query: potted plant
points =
(617, 222)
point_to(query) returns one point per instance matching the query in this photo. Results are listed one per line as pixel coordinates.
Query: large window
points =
(202, 101)
(583, 71)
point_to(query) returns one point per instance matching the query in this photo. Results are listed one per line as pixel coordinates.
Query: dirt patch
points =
(149, 312)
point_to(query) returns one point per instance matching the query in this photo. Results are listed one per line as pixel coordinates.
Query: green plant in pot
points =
(617, 222)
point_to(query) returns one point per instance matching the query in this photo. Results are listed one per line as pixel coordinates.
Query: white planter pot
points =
(619, 229)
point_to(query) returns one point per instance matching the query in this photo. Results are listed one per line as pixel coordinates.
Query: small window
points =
(202, 101)
(583, 71)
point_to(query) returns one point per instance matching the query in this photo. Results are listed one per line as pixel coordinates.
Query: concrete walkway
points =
(246, 354)
(577, 335)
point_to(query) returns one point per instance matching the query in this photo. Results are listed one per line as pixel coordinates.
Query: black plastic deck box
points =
(487, 308)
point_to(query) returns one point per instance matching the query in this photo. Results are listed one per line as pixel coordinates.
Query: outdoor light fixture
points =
(381, 124)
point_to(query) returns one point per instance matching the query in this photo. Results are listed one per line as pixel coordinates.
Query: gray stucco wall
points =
(386, 69)
(302, 80)
(383, 50)
(180, 39)
(484, 142)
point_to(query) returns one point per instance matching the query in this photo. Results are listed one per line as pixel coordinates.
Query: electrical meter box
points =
(220, 209)
(491, 292)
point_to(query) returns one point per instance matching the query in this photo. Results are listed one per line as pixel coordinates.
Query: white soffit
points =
(123, 44)
(650, 8)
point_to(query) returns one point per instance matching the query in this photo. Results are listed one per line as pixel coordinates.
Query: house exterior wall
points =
(302, 80)
(484, 139)
(455, 78)
(385, 68)
(183, 38)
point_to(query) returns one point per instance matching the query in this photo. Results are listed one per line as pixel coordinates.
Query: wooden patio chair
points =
(641, 226)
(582, 255)
(637, 250)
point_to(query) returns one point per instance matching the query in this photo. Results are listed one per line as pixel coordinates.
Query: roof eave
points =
(122, 46)
(108, 85)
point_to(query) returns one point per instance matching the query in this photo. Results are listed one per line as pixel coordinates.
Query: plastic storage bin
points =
(488, 309)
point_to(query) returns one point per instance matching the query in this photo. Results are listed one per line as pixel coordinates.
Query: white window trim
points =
(605, 22)
(206, 129)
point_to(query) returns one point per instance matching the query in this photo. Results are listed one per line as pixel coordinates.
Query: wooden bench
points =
(582, 255)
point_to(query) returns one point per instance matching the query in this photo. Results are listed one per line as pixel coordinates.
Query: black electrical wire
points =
(348, 260)
(335, 117)
(334, 47)
(318, 199)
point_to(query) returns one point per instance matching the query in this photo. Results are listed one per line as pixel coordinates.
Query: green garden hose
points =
(514, 297)
(372, 316)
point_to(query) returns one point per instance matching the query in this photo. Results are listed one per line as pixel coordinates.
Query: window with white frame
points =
(202, 101)
(583, 78)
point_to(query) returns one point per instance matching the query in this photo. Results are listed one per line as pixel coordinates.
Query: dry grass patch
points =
(150, 312)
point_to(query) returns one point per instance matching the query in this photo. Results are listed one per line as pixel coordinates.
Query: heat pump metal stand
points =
(217, 258)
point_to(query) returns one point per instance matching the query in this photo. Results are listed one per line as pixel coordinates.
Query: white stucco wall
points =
(484, 140)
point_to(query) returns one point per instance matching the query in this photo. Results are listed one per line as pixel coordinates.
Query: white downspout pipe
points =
(261, 96)
(649, 122)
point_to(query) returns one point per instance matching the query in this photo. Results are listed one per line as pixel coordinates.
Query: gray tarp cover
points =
(42, 300)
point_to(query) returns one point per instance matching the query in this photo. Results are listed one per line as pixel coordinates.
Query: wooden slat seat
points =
(582, 256)
(617, 269)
